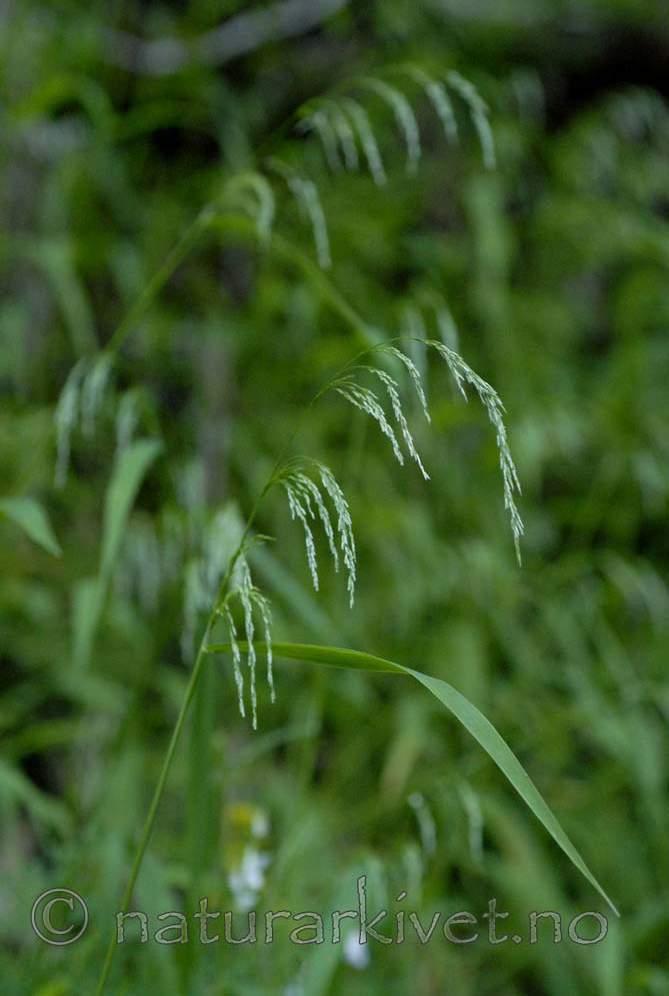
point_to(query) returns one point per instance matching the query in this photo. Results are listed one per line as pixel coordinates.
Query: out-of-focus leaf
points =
(86, 608)
(471, 718)
(31, 517)
(17, 789)
(129, 472)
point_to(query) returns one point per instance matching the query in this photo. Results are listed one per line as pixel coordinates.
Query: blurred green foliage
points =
(554, 269)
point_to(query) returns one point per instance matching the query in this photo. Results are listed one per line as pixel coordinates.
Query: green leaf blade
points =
(129, 472)
(497, 748)
(467, 714)
(32, 519)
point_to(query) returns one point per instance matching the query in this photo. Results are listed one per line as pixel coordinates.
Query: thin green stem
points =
(230, 223)
(176, 255)
(150, 820)
(157, 796)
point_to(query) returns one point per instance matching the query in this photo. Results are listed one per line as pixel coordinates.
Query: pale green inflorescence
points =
(341, 123)
(306, 194)
(347, 136)
(306, 501)
(251, 600)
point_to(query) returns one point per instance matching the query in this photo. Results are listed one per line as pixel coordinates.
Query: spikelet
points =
(308, 489)
(404, 116)
(306, 502)
(262, 604)
(243, 591)
(204, 588)
(360, 122)
(298, 511)
(236, 656)
(305, 193)
(437, 94)
(392, 388)
(414, 375)
(344, 134)
(320, 122)
(249, 629)
(463, 374)
(366, 401)
(344, 525)
(478, 110)
(342, 123)
(260, 205)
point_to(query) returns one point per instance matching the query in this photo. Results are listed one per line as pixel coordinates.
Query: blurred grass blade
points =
(471, 718)
(31, 517)
(16, 789)
(129, 471)
(86, 610)
(56, 258)
(90, 593)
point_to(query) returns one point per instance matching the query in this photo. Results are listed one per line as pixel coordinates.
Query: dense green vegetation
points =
(158, 356)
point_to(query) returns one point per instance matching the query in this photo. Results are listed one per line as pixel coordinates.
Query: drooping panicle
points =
(345, 135)
(361, 124)
(463, 374)
(344, 525)
(479, 115)
(253, 192)
(437, 94)
(414, 375)
(404, 116)
(243, 596)
(321, 123)
(310, 490)
(366, 401)
(392, 388)
(302, 481)
(306, 194)
(299, 510)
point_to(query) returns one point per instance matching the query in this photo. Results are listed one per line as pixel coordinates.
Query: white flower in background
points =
(356, 954)
(247, 881)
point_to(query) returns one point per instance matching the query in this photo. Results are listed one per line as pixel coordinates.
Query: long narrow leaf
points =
(471, 718)
(129, 472)
(31, 517)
